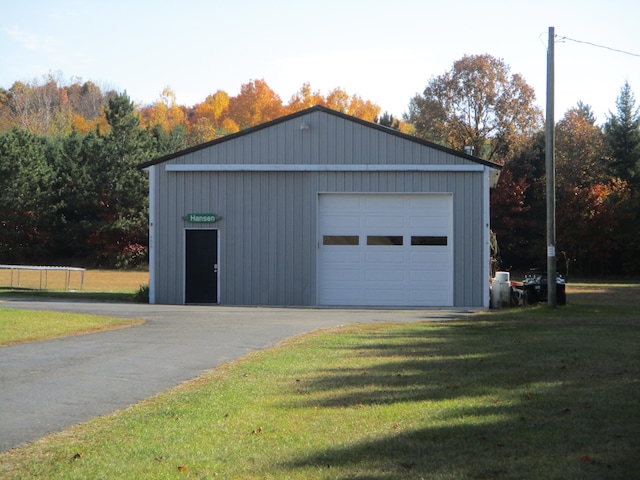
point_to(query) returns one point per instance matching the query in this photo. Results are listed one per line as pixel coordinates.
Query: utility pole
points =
(551, 175)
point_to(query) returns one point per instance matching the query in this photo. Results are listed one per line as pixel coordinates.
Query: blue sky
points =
(383, 51)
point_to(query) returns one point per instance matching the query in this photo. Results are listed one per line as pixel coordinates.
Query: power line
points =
(600, 46)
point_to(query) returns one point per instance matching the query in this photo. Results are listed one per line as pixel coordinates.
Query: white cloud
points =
(34, 42)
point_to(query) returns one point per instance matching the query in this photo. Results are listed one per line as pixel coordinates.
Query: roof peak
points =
(307, 111)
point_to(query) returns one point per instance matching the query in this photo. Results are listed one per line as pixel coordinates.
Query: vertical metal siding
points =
(268, 230)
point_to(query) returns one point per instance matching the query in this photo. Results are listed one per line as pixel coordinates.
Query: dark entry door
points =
(201, 266)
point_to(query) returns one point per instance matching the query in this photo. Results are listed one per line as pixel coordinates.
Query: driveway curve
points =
(50, 385)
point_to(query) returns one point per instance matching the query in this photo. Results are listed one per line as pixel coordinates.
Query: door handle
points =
(215, 268)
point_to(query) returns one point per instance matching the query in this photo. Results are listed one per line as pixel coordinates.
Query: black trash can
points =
(535, 288)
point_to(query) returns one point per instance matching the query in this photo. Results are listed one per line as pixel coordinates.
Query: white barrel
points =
(502, 277)
(501, 290)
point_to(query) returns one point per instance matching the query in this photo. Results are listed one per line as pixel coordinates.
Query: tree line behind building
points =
(70, 191)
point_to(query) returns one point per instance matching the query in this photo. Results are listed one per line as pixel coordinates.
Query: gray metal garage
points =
(320, 208)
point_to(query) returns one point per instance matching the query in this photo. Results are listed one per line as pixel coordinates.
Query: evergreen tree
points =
(387, 120)
(120, 238)
(27, 203)
(622, 133)
(167, 143)
(74, 188)
(587, 112)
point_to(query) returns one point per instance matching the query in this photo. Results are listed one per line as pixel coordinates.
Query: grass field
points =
(103, 281)
(516, 394)
(98, 284)
(19, 326)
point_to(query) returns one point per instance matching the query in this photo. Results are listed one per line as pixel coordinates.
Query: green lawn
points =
(18, 326)
(519, 394)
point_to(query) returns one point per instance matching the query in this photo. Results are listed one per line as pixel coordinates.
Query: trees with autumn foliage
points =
(48, 107)
(257, 103)
(45, 107)
(479, 103)
(164, 113)
(77, 197)
(597, 208)
(69, 187)
(208, 120)
(70, 190)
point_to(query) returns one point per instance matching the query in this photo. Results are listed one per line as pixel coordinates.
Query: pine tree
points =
(120, 237)
(622, 133)
(387, 120)
(26, 200)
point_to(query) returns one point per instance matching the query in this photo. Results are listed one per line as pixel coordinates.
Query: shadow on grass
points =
(25, 294)
(528, 394)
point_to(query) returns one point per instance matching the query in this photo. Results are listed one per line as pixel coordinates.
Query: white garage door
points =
(385, 249)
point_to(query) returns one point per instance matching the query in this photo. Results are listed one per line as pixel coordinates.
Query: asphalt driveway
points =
(50, 385)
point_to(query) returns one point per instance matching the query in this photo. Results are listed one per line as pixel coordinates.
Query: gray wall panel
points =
(268, 229)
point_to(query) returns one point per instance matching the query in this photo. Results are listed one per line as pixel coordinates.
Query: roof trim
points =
(319, 108)
(325, 167)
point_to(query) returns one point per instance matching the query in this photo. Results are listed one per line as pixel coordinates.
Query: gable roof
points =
(319, 108)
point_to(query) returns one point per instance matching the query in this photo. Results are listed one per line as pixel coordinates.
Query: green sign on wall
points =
(200, 217)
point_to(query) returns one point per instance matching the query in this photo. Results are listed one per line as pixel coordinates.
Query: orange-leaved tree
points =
(305, 98)
(164, 112)
(255, 104)
(209, 119)
(338, 99)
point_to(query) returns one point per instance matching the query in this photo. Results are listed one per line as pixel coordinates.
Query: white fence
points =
(44, 270)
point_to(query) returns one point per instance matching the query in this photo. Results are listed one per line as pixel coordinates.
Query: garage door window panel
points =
(385, 240)
(341, 240)
(429, 241)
